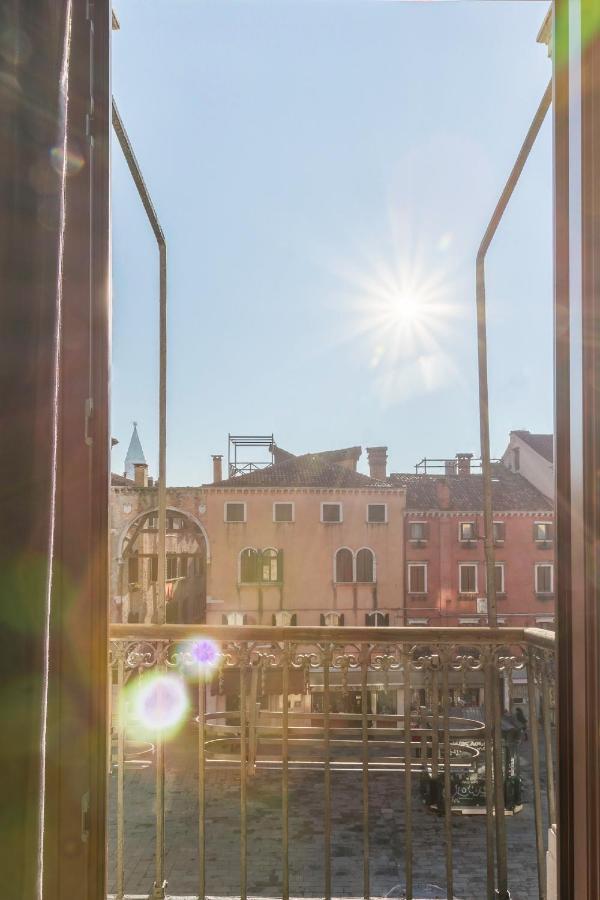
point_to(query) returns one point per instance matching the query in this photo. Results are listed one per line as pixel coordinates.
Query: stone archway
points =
(137, 561)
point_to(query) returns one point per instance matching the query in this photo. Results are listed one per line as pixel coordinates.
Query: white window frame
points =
(355, 555)
(499, 522)
(551, 567)
(332, 503)
(544, 620)
(410, 566)
(418, 622)
(335, 553)
(375, 613)
(412, 540)
(460, 567)
(470, 540)
(502, 590)
(385, 514)
(283, 617)
(232, 616)
(235, 521)
(470, 620)
(285, 503)
(332, 624)
(546, 540)
(239, 578)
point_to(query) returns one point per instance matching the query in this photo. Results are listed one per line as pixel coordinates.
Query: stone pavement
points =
(306, 834)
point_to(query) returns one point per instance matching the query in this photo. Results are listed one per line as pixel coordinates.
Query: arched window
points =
(332, 618)
(249, 565)
(377, 619)
(271, 566)
(344, 565)
(365, 565)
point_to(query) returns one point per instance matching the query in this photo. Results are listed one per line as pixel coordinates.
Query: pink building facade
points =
(445, 567)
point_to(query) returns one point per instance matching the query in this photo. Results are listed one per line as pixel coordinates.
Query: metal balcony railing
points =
(431, 745)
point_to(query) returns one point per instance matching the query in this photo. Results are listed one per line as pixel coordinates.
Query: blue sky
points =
(324, 172)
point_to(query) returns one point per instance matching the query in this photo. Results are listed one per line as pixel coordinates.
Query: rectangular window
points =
(418, 621)
(466, 531)
(542, 532)
(235, 512)
(283, 512)
(418, 532)
(499, 578)
(331, 512)
(467, 577)
(417, 578)
(499, 532)
(376, 513)
(544, 578)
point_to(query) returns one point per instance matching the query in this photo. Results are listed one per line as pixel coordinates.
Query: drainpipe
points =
(484, 422)
(162, 390)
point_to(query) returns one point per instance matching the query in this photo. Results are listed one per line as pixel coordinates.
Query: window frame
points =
(502, 566)
(228, 503)
(472, 565)
(421, 540)
(412, 565)
(384, 521)
(284, 503)
(374, 613)
(373, 557)
(332, 503)
(335, 555)
(537, 567)
(545, 523)
(463, 540)
(502, 522)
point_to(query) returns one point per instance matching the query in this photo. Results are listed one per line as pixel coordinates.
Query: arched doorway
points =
(187, 555)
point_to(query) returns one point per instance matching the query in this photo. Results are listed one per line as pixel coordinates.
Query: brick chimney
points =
(140, 474)
(463, 463)
(442, 491)
(377, 462)
(217, 467)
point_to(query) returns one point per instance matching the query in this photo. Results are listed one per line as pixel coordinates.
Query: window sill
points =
(419, 545)
(418, 595)
(466, 596)
(544, 545)
(468, 545)
(544, 596)
(260, 584)
(375, 523)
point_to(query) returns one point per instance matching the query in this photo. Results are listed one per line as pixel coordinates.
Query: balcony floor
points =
(306, 847)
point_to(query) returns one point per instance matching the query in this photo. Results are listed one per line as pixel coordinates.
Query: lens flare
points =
(74, 161)
(160, 703)
(206, 654)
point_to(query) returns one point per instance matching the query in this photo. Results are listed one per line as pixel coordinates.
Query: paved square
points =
(387, 834)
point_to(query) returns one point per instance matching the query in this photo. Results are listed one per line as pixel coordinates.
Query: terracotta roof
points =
(510, 490)
(120, 480)
(309, 470)
(333, 456)
(541, 443)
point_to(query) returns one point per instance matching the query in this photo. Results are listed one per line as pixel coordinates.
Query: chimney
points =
(377, 462)
(140, 474)
(217, 468)
(463, 463)
(442, 491)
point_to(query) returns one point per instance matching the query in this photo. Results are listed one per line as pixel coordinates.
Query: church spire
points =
(135, 454)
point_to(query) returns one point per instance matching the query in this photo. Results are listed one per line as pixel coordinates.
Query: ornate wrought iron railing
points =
(426, 742)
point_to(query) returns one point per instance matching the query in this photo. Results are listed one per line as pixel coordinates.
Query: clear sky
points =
(324, 172)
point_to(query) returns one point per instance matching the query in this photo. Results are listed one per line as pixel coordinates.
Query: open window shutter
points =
(223, 619)
(341, 619)
(294, 619)
(273, 619)
(550, 531)
(244, 619)
(322, 619)
(535, 534)
(280, 565)
(386, 619)
(426, 531)
(367, 618)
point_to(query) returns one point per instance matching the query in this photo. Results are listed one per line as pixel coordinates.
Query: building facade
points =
(444, 552)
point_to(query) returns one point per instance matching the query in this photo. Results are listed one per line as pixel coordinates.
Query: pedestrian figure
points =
(522, 721)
